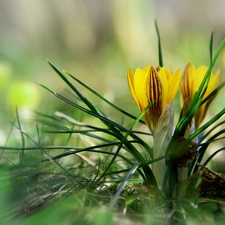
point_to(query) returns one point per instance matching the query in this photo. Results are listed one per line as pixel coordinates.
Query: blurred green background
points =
(96, 41)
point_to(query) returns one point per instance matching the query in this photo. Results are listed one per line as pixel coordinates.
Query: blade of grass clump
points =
(58, 165)
(92, 149)
(96, 175)
(159, 45)
(30, 138)
(212, 155)
(52, 121)
(81, 124)
(94, 114)
(81, 96)
(113, 126)
(88, 133)
(109, 103)
(69, 137)
(92, 128)
(135, 140)
(148, 172)
(95, 111)
(98, 114)
(211, 130)
(87, 149)
(102, 98)
(108, 131)
(109, 123)
(203, 149)
(53, 158)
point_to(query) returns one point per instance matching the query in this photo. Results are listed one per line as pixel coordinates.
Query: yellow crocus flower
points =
(190, 83)
(153, 86)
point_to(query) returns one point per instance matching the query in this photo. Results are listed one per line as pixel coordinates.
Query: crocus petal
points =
(146, 69)
(164, 81)
(187, 82)
(173, 85)
(168, 73)
(199, 75)
(154, 89)
(154, 95)
(214, 82)
(130, 78)
(140, 79)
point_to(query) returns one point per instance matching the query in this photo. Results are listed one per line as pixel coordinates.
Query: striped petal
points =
(153, 86)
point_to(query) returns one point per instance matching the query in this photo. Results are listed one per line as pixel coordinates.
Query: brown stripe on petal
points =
(158, 92)
(154, 94)
(186, 89)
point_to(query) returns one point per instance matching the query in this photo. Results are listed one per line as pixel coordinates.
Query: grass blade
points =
(159, 45)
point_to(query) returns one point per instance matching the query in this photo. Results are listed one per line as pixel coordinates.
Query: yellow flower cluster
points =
(157, 87)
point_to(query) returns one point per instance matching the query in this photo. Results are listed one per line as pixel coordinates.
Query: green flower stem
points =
(162, 138)
(182, 184)
(159, 167)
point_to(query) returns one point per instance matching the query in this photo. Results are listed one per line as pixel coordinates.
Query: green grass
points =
(85, 167)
